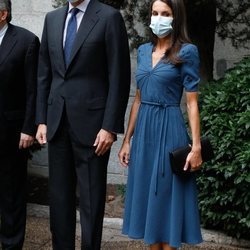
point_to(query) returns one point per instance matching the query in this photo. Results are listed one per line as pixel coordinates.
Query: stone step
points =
(138, 245)
(38, 236)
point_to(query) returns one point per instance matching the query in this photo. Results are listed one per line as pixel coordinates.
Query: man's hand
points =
(41, 134)
(25, 141)
(103, 142)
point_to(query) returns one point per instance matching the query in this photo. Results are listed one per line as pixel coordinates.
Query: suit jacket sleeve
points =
(30, 72)
(118, 58)
(44, 78)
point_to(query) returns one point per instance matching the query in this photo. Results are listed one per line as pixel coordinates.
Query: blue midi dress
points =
(160, 206)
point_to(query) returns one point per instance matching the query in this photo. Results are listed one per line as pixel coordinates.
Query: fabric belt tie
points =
(161, 154)
(163, 105)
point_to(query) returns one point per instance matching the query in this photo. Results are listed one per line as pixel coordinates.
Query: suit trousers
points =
(13, 178)
(71, 163)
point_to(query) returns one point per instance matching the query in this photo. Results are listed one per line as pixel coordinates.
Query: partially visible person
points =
(161, 207)
(18, 75)
(83, 89)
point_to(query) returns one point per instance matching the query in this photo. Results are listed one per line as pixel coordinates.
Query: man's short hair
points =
(6, 5)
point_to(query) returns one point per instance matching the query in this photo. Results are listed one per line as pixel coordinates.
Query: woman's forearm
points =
(132, 117)
(194, 119)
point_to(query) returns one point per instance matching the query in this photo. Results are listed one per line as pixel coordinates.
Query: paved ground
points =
(38, 235)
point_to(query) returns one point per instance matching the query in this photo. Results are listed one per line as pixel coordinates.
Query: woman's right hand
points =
(124, 154)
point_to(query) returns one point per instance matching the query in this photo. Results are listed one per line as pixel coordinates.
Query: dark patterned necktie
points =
(70, 35)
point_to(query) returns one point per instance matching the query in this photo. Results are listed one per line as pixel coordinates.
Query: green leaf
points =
(224, 182)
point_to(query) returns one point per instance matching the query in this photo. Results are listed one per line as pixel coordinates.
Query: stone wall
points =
(226, 56)
(30, 14)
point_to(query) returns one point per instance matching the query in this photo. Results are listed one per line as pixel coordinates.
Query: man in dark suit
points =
(83, 88)
(18, 76)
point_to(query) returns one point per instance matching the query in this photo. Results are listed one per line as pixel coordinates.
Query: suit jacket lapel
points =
(88, 22)
(9, 41)
(59, 31)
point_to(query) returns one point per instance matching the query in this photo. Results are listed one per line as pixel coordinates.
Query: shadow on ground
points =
(38, 194)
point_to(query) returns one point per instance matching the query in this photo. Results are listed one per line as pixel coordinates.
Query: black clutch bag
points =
(178, 156)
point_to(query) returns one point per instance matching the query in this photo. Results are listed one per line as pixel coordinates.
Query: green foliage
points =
(135, 12)
(115, 3)
(121, 189)
(234, 21)
(224, 183)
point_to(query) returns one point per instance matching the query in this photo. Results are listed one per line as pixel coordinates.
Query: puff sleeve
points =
(190, 67)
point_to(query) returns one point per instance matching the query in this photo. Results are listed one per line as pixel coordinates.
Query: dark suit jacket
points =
(18, 78)
(94, 88)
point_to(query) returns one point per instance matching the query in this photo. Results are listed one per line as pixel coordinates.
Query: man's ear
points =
(4, 14)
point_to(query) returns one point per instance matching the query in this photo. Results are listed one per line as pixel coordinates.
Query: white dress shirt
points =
(3, 32)
(82, 9)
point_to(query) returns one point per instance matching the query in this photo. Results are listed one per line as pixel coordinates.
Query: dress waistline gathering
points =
(160, 104)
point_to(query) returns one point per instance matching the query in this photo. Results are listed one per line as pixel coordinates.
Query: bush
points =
(224, 182)
(114, 3)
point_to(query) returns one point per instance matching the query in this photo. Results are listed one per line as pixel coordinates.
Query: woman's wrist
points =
(196, 148)
(126, 139)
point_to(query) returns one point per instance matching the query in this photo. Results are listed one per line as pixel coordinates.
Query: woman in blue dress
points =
(161, 207)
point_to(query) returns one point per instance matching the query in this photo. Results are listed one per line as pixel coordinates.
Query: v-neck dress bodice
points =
(160, 206)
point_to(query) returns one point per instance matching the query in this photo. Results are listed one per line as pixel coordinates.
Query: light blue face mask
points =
(161, 25)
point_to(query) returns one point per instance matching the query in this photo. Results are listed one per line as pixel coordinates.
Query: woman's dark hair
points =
(179, 33)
